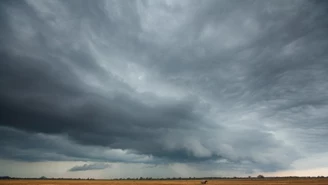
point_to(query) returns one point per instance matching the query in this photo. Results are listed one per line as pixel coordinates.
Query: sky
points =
(163, 88)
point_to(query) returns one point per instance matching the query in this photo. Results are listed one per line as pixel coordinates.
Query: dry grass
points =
(170, 182)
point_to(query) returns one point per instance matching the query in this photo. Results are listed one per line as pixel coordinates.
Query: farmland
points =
(285, 181)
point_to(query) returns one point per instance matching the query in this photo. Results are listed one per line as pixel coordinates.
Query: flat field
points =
(312, 181)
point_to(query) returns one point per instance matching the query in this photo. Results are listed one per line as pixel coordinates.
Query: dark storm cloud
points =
(34, 147)
(182, 82)
(86, 167)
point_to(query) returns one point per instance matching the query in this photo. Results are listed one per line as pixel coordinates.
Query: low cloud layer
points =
(216, 85)
(87, 167)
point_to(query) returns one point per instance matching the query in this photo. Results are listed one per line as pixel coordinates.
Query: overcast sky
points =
(161, 88)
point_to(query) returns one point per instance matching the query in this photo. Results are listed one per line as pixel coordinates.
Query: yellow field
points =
(171, 182)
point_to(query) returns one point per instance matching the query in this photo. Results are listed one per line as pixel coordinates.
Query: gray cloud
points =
(25, 146)
(161, 82)
(86, 167)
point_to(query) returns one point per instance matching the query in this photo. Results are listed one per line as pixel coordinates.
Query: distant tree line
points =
(201, 178)
(42, 178)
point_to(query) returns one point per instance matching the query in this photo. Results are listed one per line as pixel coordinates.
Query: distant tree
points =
(260, 176)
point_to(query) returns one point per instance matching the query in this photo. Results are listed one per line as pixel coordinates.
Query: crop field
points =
(313, 181)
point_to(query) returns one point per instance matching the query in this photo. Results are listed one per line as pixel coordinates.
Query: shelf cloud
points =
(213, 85)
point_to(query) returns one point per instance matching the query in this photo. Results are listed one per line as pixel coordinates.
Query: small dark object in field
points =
(203, 181)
